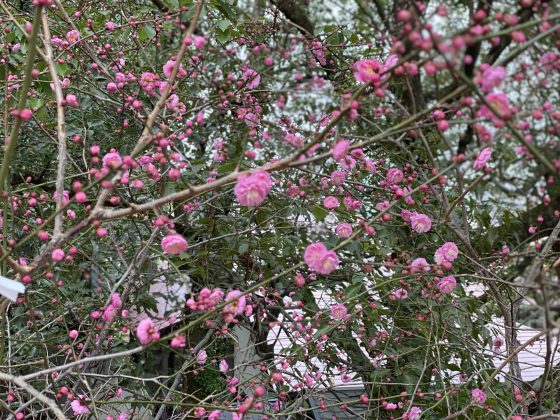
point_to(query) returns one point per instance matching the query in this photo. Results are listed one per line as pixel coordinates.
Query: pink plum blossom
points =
(338, 177)
(339, 311)
(340, 150)
(112, 160)
(390, 62)
(199, 412)
(179, 342)
(320, 259)
(236, 304)
(199, 42)
(72, 100)
(447, 284)
(73, 36)
(384, 205)
(401, 294)
(500, 104)
(394, 176)
(491, 77)
(331, 202)
(207, 299)
(149, 82)
(110, 313)
(146, 331)
(448, 252)
(344, 230)
(390, 406)
(482, 158)
(498, 342)
(419, 265)
(252, 78)
(174, 244)
(252, 189)
(413, 414)
(406, 215)
(57, 255)
(224, 367)
(214, 415)
(550, 60)
(319, 52)
(505, 251)
(201, 357)
(79, 407)
(116, 300)
(420, 222)
(367, 71)
(25, 114)
(168, 68)
(111, 87)
(478, 396)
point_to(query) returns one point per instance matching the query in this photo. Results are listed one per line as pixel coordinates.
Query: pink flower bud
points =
(26, 114)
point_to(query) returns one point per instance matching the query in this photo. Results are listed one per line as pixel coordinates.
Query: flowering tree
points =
(182, 178)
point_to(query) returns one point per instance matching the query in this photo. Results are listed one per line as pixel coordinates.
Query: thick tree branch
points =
(160, 5)
(293, 10)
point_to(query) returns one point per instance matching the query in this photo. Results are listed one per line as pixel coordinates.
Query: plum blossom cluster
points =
(80, 406)
(496, 107)
(206, 300)
(320, 259)
(251, 189)
(372, 71)
(111, 311)
(235, 303)
(447, 253)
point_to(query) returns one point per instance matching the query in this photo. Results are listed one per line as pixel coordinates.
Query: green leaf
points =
(61, 69)
(336, 39)
(226, 167)
(149, 302)
(262, 215)
(172, 4)
(222, 36)
(224, 8)
(319, 212)
(243, 247)
(309, 300)
(223, 24)
(147, 32)
(352, 290)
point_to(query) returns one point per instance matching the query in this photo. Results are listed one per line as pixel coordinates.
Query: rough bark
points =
(296, 14)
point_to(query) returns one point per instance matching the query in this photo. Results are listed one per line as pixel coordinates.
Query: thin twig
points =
(60, 128)
(20, 382)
